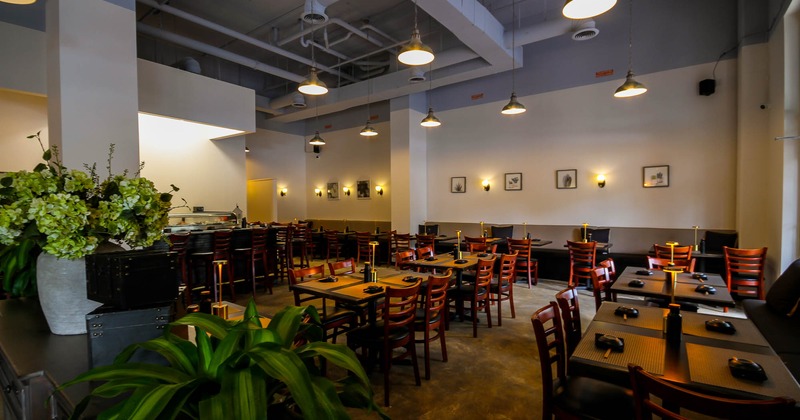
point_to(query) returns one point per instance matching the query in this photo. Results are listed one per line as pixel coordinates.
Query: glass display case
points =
(204, 220)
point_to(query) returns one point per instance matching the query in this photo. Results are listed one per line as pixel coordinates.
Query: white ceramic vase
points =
(62, 294)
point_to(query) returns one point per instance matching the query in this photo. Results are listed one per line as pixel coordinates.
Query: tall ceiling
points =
(269, 47)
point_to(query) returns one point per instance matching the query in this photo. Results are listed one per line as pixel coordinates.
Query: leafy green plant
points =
(235, 370)
(68, 213)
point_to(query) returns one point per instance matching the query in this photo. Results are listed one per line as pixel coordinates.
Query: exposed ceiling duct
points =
(314, 13)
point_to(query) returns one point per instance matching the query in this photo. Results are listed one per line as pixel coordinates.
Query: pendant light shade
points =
(18, 1)
(584, 9)
(312, 85)
(630, 88)
(368, 131)
(415, 53)
(430, 120)
(513, 106)
(316, 140)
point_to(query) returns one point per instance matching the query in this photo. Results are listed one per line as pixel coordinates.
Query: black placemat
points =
(650, 318)
(709, 365)
(647, 352)
(746, 331)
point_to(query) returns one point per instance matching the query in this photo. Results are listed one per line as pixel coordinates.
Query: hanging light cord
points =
(513, 46)
(630, 36)
(415, 16)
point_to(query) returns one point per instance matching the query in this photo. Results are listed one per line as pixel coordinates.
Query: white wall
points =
(281, 157)
(24, 63)
(587, 129)
(20, 116)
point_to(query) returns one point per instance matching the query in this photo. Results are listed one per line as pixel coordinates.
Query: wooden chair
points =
(332, 317)
(178, 243)
(644, 385)
(397, 332)
(430, 321)
(601, 286)
(661, 263)
(473, 247)
(744, 271)
(525, 266)
(338, 268)
(608, 263)
(333, 245)
(572, 397)
(581, 261)
(299, 241)
(283, 246)
(422, 253)
(569, 305)
(476, 294)
(423, 241)
(404, 260)
(502, 288)
(254, 254)
(363, 248)
(678, 253)
(398, 242)
(475, 240)
(221, 250)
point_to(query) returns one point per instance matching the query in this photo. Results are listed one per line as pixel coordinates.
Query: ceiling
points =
(268, 47)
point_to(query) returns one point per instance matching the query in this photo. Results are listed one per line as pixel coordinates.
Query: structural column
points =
(91, 82)
(409, 163)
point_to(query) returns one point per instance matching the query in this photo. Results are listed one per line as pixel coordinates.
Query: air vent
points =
(417, 75)
(585, 31)
(298, 100)
(314, 13)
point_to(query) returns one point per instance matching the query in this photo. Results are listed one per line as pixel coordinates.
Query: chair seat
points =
(420, 318)
(495, 287)
(466, 290)
(334, 314)
(594, 399)
(374, 334)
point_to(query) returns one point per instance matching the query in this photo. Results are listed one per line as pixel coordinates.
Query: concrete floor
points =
(494, 376)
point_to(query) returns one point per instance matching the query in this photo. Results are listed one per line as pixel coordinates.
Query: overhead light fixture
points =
(316, 140)
(631, 87)
(415, 53)
(368, 130)
(430, 120)
(584, 9)
(513, 107)
(312, 85)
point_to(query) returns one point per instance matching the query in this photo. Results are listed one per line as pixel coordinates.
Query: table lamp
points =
(585, 225)
(696, 247)
(219, 309)
(524, 230)
(458, 245)
(483, 232)
(374, 272)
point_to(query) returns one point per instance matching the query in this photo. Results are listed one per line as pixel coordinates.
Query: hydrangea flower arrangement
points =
(68, 212)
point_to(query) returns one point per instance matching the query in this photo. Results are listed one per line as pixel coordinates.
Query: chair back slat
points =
(567, 300)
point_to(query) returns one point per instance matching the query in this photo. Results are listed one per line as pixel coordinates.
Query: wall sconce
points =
(284, 191)
(486, 185)
(379, 190)
(318, 192)
(601, 180)
(346, 191)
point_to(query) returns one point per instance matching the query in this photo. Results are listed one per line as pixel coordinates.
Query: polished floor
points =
(494, 376)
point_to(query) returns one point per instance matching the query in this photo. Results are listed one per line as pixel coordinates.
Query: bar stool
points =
(283, 246)
(177, 244)
(257, 252)
(221, 250)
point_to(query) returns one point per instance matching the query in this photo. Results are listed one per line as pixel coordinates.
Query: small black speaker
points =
(707, 87)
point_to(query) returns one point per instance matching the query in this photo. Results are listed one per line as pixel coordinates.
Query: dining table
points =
(353, 290)
(654, 284)
(699, 361)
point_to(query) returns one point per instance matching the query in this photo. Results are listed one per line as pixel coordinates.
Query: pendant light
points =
(312, 85)
(584, 9)
(415, 53)
(430, 120)
(631, 87)
(513, 107)
(368, 131)
(316, 140)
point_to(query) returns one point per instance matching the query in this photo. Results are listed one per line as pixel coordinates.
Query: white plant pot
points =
(62, 294)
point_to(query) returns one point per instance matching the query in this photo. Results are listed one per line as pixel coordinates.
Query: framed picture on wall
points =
(513, 181)
(333, 191)
(362, 189)
(458, 184)
(566, 179)
(655, 176)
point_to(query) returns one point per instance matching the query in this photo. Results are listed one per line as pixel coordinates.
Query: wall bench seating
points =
(778, 317)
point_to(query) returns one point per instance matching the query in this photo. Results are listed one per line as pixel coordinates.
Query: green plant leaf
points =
(284, 365)
(341, 356)
(226, 348)
(214, 325)
(215, 408)
(6, 181)
(111, 389)
(47, 154)
(130, 370)
(146, 404)
(40, 167)
(174, 354)
(287, 321)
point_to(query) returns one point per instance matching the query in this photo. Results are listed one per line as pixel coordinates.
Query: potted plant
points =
(235, 370)
(53, 216)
